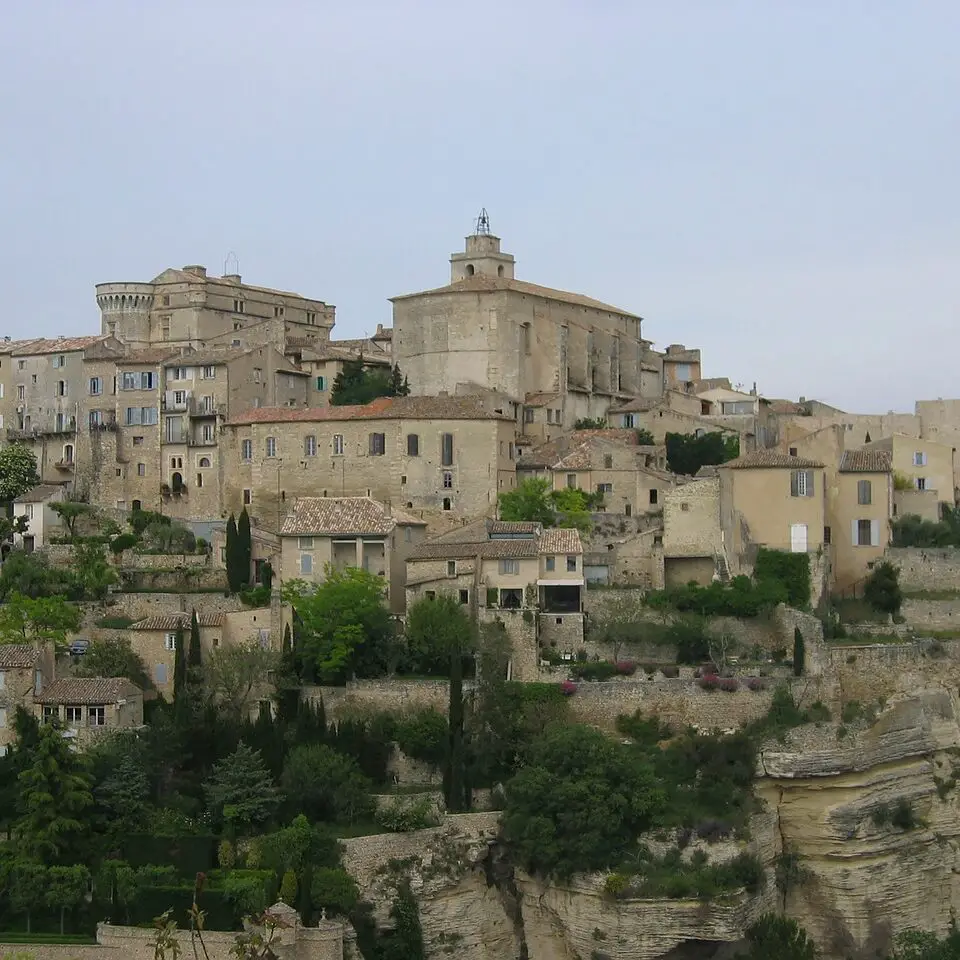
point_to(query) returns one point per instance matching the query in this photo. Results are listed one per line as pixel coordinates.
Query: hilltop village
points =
(259, 580)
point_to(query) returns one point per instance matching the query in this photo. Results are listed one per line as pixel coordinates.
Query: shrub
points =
(615, 884)
(756, 683)
(882, 588)
(120, 622)
(779, 570)
(626, 668)
(729, 684)
(594, 670)
(713, 830)
(902, 816)
(568, 688)
(709, 681)
(424, 736)
(125, 541)
(401, 816)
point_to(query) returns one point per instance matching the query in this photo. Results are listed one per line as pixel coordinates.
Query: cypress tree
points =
(454, 787)
(231, 556)
(179, 670)
(799, 653)
(194, 660)
(244, 547)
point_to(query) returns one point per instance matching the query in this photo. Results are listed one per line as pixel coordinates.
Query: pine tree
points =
(453, 780)
(233, 569)
(195, 658)
(179, 670)
(799, 653)
(398, 383)
(244, 547)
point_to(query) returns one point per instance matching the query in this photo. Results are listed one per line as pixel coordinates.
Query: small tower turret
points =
(482, 256)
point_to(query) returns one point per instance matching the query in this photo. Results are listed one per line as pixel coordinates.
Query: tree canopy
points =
(326, 785)
(358, 383)
(37, 620)
(240, 791)
(18, 471)
(774, 937)
(533, 500)
(435, 629)
(114, 657)
(687, 453)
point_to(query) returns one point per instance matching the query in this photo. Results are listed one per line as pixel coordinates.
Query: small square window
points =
(170, 641)
(246, 496)
(451, 568)
(571, 564)
(464, 596)
(550, 563)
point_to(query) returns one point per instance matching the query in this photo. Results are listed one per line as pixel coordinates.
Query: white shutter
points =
(874, 533)
(853, 532)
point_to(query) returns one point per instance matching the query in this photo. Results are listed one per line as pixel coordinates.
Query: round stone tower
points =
(125, 310)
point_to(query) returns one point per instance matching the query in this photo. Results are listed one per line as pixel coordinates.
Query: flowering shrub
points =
(729, 684)
(756, 683)
(709, 681)
(568, 688)
(626, 668)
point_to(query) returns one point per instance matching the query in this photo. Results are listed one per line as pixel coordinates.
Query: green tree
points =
(578, 801)
(122, 793)
(774, 937)
(358, 383)
(406, 941)
(572, 508)
(424, 736)
(326, 785)
(398, 383)
(179, 669)
(434, 629)
(799, 653)
(288, 888)
(334, 890)
(93, 572)
(344, 626)
(645, 438)
(244, 547)
(27, 885)
(534, 501)
(232, 551)
(18, 471)
(882, 588)
(114, 657)
(687, 453)
(240, 791)
(55, 795)
(31, 575)
(195, 655)
(37, 620)
(235, 675)
(918, 945)
(71, 512)
(66, 888)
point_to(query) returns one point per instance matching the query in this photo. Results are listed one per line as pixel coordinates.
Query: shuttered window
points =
(801, 483)
(864, 492)
(446, 449)
(413, 445)
(378, 444)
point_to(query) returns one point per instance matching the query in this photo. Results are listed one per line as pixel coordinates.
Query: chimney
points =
(803, 400)
(195, 269)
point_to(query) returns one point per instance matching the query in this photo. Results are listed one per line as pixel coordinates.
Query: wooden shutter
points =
(874, 533)
(809, 483)
(855, 532)
(794, 483)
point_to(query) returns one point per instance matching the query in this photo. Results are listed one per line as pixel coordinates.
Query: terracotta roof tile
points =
(174, 621)
(58, 345)
(383, 408)
(495, 527)
(319, 516)
(148, 355)
(482, 284)
(488, 549)
(560, 540)
(19, 656)
(541, 399)
(866, 461)
(8, 346)
(771, 458)
(39, 493)
(88, 690)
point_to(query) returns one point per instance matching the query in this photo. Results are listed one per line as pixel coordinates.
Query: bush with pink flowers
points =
(568, 688)
(626, 668)
(709, 681)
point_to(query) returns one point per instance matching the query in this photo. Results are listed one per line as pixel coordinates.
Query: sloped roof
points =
(760, 459)
(549, 453)
(540, 399)
(482, 284)
(40, 493)
(8, 346)
(92, 690)
(343, 515)
(19, 656)
(866, 461)
(174, 621)
(560, 540)
(57, 345)
(383, 408)
(487, 549)
(495, 527)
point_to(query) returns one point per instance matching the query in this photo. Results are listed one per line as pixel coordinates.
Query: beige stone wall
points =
(522, 633)
(17, 692)
(932, 614)
(138, 606)
(679, 571)
(923, 568)
(936, 473)
(921, 503)
(691, 519)
(850, 561)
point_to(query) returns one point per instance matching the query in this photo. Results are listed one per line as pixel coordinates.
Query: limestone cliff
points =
(826, 795)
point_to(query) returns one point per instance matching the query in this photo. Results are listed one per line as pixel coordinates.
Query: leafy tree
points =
(578, 801)
(358, 384)
(91, 568)
(123, 541)
(645, 438)
(240, 791)
(114, 657)
(424, 736)
(244, 547)
(399, 387)
(882, 588)
(32, 575)
(66, 888)
(780, 570)
(434, 629)
(687, 453)
(122, 793)
(326, 785)
(71, 512)
(55, 794)
(18, 471)
(233, 561)
(27, 882)
(288, 888)
(334, 890)
(572, 508)
(235, 675)
(918, 945)
(195, 656)
(41, 620)
(302, 843)
(344, 626)
(774, 937)
(534, 501)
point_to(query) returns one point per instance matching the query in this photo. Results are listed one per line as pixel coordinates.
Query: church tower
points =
(482, 256)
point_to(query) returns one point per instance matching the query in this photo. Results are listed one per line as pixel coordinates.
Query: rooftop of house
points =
(40, 493)
(88, 690)
(866, 461)
(498, 539)
(19, 656)
(484, 284)
(677, 353)
(560, 540)
(547, 454)
(9, 346)
(323, 516)
(541, 399)
(341, 352)
(178, 621)
(186, 275)
(383, 408)
(32, 348)
(765, 459)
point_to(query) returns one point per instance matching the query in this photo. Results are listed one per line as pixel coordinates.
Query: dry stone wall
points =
(923, 568)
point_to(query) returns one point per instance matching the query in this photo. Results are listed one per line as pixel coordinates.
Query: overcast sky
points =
(771, 181)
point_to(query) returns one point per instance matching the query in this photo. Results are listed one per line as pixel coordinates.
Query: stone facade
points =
(692, 536)
(926, 568)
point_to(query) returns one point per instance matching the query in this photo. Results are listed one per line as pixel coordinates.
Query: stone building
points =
(487, 330)
(25, 672)
(925, 464)
(321, 363)
(190, 309)
(437, 456)
(42, 521)
(692, 537)
(342, 532)
(90, 707)
(529, 579)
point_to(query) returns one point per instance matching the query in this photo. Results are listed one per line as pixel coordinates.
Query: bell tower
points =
(481, 256)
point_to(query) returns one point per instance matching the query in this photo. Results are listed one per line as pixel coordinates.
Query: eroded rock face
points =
(821, 798)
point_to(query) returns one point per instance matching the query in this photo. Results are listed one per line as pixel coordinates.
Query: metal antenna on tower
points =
(483, 223)
(231, 258)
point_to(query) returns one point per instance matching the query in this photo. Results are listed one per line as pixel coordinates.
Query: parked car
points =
(79, 647)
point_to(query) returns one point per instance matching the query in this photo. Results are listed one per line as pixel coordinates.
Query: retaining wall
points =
(923, 568)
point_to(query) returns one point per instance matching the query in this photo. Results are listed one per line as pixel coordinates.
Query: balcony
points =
(202, 441)
(66, 465)
(180, 436)
(197, 408)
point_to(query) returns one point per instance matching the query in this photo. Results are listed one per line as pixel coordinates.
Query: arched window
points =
(204, 462)
(68, 453)
(176, 482)
(500, 270)
(136, 505)
(469, 269)
(446, 503)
